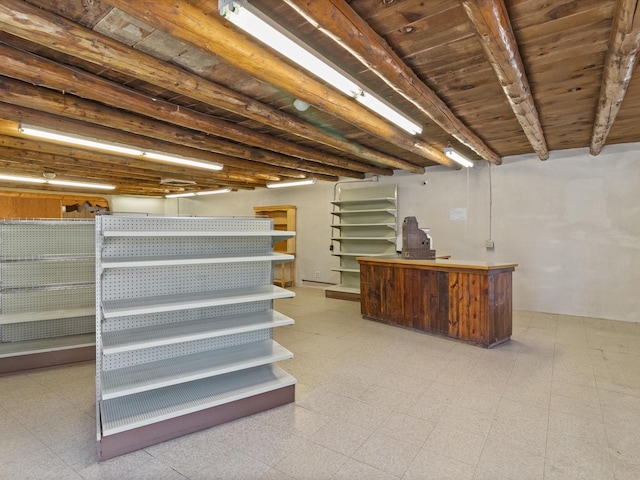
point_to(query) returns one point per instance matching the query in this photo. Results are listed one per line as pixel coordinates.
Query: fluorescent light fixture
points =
(41, 132)
(49, 134)
(68, 183)
(258, 25)
(16, 178)
(213, 192)
(180, 195)
(293, 183)
(457, 157)
(193, 194)
(183, 161)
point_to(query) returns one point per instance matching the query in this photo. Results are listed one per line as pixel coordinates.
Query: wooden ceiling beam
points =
(620, 62)
(211, 32)
(493, 29)
(341, 23)
(19, 93)
(39, 71)
(52, 31)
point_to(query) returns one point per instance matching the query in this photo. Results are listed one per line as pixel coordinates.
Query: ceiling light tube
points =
(17, 178)
(48, 134)
(180, 195)
(293, 183)
(255, 23)
(457, 157)
(190, 162)
(213, 192)
(68, 183)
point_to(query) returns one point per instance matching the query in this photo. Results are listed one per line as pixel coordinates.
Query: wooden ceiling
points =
(491, 78)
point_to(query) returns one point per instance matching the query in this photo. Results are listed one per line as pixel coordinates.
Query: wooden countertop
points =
(438, 264)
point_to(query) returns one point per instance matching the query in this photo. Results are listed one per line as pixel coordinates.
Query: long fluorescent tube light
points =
(49, 134)
(16, 178)
(77, 140)
(457, 157)
(246, 17)
(193, 194)
(66, 183)
(293, 183)
(183, 161)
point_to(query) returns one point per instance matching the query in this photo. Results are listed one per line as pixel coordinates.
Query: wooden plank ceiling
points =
(491, 78)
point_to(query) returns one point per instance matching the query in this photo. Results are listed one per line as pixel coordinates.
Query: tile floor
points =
(560, 401)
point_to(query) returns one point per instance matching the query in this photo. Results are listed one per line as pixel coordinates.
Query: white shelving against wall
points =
(364, 225)
(47, 293)
(185, 325)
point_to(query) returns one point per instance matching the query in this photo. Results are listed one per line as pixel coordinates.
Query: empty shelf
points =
(280, 234)
(126, 413)
(391, 211)
(46, 315)
(346, 270)
(171, 333)
(391, 200)
(361, 225)
(187, 368)
(342, 289)
(361, 254)
(51, 344)
(366, 239)
(192, 260)
(169, 303)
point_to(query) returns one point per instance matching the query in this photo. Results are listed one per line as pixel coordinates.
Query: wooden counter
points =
(471, 301)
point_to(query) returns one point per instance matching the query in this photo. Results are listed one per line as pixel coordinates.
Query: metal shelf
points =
(146, 408)
(390, 211)
(360, 201)
(51, 344)
(279, 234)
(192, 260)
(343, 289)
(169, 303)
(361, 254)
(361, 225)
(188, 368)
(6, 318)
(346, 270)
(172, 333)
(360, 239)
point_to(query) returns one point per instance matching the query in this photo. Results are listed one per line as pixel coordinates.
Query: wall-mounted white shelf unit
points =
(184, 326)
(47, 293)
(366, 225)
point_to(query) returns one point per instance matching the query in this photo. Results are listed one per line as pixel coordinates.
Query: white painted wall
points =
(572, 224)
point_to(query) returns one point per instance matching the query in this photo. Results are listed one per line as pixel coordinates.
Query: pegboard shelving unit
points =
(47, 293)
(365, 222)
(184, 326)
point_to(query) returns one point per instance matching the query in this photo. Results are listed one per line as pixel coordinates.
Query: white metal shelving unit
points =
(47, 293)
(365, 219)
(184, 326)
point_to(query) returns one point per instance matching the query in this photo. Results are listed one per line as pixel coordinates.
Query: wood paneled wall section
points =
(472, 305)
(18, 205)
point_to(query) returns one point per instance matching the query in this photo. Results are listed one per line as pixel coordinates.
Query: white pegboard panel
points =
(161, 246)
(26, 239)
(151, 320)
(17, 332)
(120, 283)
(146, 355)
(35, 300)
(47, 273)
(183, 224)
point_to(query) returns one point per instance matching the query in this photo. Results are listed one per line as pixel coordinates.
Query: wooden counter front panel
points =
(471, 305)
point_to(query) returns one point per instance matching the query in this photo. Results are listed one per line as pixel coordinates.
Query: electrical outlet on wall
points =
(489, 244)
(317, 274)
